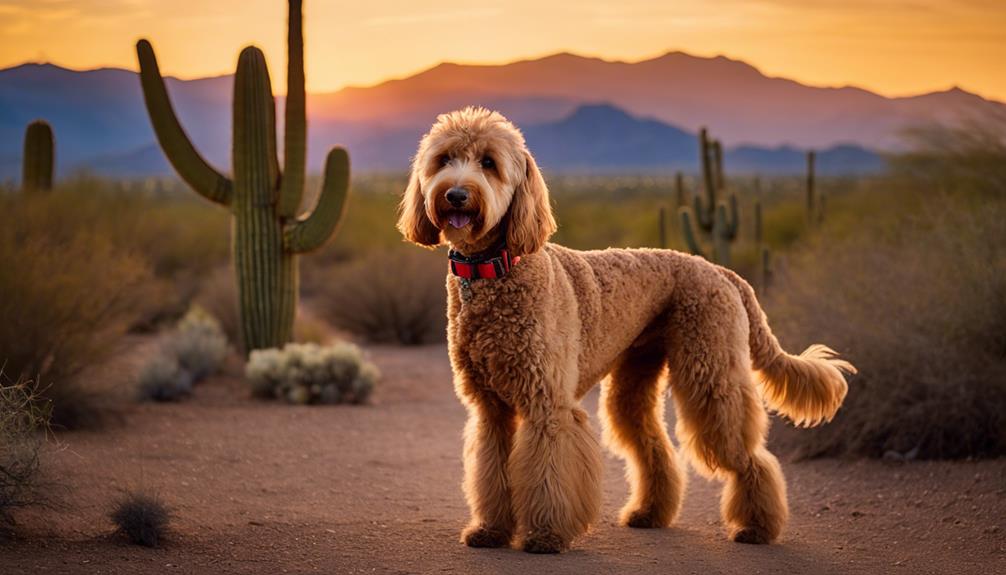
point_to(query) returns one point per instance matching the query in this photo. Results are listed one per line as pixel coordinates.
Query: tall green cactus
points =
(37, 163)
(718, 219)
(713, 182)
(815, 200)
(268, 234)
(679, 189)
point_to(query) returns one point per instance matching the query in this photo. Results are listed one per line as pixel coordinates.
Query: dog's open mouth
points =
(458, 219)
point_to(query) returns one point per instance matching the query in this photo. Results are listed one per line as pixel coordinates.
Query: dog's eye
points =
(444, 159)
(488, 163)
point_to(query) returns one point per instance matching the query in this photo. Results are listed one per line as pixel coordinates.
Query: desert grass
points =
(391, 297)
(23, 421)
(69, 294)
(910, 284)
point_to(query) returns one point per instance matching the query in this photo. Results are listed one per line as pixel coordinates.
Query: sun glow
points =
(893, 47)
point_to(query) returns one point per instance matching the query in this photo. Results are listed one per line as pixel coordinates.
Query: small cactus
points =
(679, 190)
(269, 232)
(815, 201)
(719, 220)
(713, 182)
(38, 160)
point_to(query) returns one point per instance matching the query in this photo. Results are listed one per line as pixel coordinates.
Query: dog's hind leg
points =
(555, 469)
(632, 412)
(721, 419)
(488, 440)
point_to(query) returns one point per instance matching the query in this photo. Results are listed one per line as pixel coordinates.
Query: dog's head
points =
(472, 178)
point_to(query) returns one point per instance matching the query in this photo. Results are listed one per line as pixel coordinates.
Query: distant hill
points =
(733, 98)
(605, 138)
(650, 113)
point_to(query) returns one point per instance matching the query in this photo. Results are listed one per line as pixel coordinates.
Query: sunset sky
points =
(895, 47)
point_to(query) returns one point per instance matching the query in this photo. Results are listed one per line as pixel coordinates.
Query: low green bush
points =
(193, 351)
(308, 374)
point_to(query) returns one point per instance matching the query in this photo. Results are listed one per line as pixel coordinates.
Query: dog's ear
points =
(413, 222)
(531, 221)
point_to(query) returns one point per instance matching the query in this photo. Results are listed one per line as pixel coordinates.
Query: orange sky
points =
(895, 47)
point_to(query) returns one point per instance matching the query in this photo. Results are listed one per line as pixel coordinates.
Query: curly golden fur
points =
(525, 349)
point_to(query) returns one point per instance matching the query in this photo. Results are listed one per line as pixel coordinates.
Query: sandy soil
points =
(261, 487)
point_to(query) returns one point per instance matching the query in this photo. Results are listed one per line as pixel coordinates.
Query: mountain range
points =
(578, 113)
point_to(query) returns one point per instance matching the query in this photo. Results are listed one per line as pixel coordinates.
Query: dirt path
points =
(268, 488)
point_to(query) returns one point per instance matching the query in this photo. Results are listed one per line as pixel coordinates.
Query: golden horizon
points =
(877, 46)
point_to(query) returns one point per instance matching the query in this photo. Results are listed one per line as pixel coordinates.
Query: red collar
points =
(487, 265)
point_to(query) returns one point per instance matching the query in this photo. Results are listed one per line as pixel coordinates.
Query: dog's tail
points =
(807, 388)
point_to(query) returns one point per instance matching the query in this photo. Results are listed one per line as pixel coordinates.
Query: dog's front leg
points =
(488, 440)
(555, 472)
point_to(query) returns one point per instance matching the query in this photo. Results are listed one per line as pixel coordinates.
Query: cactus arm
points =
(36, 175)
(295, 135)
(733, 219)
(757, 223)
(191, 166)
(701, 214)
(312, 232)
(717, 150)
(679, 189)
(704, 213)
(689, 233)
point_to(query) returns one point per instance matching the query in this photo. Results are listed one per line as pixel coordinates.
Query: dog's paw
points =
(544, 542)
(642, 519)
(751, 535)
(482, 536)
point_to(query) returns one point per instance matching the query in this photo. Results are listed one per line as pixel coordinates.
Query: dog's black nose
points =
(457, 197)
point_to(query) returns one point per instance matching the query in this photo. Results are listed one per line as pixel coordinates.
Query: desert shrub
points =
(141, 518)
(400, 300)
(163, 379)
(193, 351)
(309, 373)
(68, 297)
(917, 301)
(199, 344)
(22, 417)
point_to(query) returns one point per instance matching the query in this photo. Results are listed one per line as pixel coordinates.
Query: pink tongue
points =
(459, 220)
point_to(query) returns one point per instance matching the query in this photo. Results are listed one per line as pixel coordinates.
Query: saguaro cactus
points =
(38, 160)
(717, 219)
(679, 189)
(713, 182)
(268, 234)
(815, 200)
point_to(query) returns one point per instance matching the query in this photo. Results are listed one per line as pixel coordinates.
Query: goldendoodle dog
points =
(533, 326)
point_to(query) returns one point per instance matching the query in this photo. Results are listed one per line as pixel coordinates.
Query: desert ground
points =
(263, 487)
